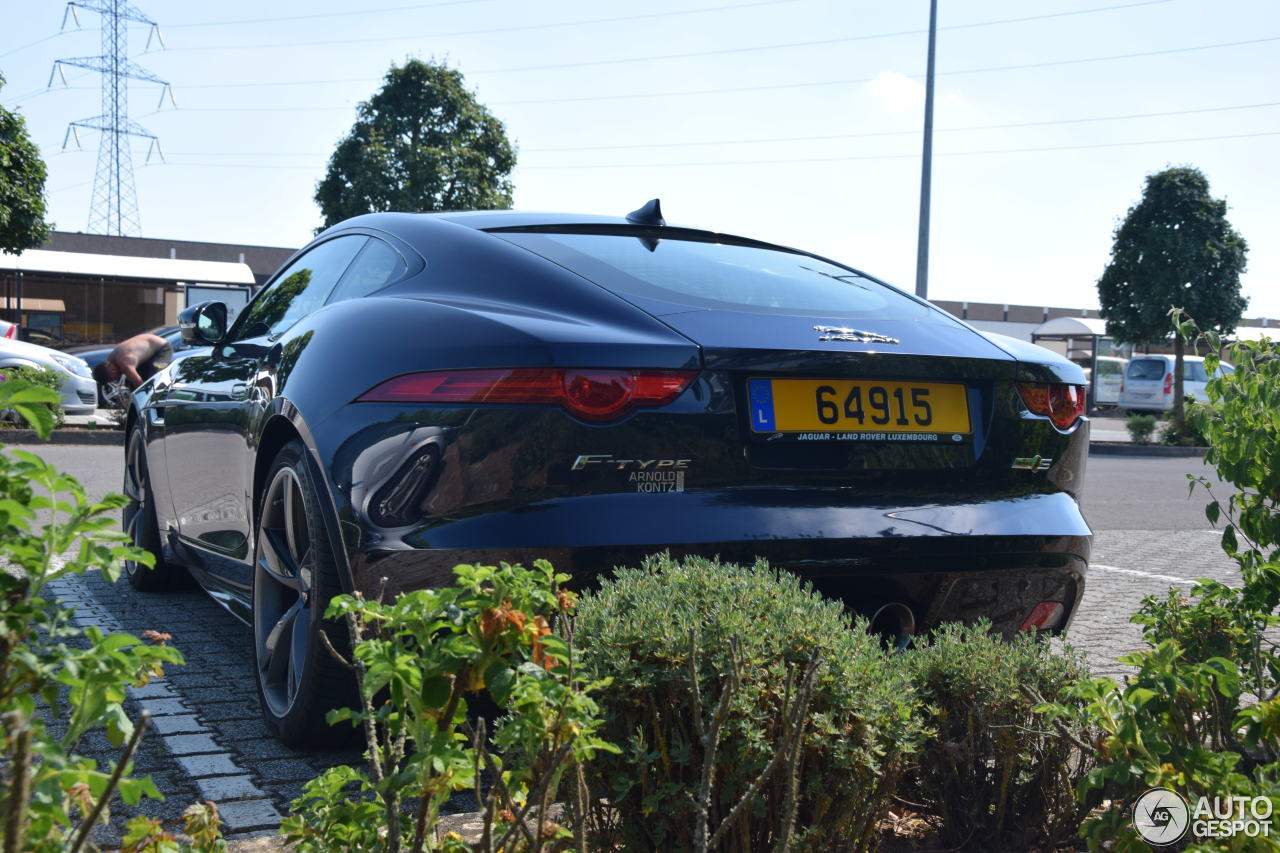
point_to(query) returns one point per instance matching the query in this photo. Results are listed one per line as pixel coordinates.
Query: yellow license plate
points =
(857, 405)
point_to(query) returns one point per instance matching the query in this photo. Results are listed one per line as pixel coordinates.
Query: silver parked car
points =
(79, 391)
(1148, 381)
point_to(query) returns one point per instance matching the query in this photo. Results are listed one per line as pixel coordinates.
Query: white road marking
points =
(1152, 575)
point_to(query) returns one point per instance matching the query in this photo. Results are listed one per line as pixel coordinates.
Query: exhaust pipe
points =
(895, 624)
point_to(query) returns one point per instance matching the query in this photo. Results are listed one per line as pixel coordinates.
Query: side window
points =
(300, 289)
(377, 266)
(1195, 371)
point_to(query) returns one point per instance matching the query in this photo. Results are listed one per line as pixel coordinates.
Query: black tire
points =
(295, 574)
(140, 523)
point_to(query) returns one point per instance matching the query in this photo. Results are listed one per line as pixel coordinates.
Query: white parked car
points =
(79, 391)
(1148, 381)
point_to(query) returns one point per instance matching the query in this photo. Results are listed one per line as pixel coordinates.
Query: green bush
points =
(1190, 434)
(990, 772)
(752, 713)
(1201, 715)
(40, 377)
(50, 797)
(1141, 428)
(500, 633)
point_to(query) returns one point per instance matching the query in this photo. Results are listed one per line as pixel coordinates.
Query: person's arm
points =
(131, 373)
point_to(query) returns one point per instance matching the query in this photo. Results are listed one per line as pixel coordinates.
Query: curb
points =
(1125, 449)
(105, 436)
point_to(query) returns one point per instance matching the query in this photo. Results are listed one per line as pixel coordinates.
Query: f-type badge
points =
(839, 333)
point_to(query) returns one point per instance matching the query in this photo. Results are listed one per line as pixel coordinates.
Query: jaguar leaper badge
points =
(839, 333)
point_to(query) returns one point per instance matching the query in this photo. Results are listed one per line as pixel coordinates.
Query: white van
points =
(1148, 381)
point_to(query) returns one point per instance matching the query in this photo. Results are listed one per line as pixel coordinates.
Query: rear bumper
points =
(1153, 401)
(994, 559)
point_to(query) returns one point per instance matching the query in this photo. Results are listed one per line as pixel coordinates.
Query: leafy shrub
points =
(1201, 716)
(1141, 428)
(499, 632)
(1189, 435)
(752, 713)
(39, 377)
(51, 798)
(991, 773)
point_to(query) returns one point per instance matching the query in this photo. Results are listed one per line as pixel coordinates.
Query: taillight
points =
(1062, 404)
(1168, 383)
(590, 394)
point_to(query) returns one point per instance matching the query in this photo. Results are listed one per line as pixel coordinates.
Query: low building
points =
(90, 288)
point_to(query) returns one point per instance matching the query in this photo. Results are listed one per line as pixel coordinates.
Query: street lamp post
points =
(926, 167)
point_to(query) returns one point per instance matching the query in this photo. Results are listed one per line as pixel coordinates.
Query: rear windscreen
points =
(705, 274)
(1146, 368)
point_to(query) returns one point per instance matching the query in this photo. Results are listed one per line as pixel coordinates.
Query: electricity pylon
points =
(114, 208)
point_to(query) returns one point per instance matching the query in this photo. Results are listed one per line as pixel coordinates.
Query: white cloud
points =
(896, 91)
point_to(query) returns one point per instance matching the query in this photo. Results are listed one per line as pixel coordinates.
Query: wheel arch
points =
(280, 429)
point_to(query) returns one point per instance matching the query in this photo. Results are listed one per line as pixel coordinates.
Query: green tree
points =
(1174, 249)
(22, 174)
(423, 142)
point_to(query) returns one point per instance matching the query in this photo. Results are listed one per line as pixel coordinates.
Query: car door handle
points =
(239, 391)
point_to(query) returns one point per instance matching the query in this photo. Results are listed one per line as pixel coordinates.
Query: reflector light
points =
(1062, 404)
(1045, 616)
(588, 393)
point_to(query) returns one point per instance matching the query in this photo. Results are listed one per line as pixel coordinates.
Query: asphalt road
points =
(1146, 493)
(211, 744)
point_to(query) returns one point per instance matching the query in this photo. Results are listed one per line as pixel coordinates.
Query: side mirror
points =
(204, 324)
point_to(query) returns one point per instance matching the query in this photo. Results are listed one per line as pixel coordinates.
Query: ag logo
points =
(1161, 816)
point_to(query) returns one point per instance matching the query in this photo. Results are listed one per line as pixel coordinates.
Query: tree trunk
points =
(1179, 416)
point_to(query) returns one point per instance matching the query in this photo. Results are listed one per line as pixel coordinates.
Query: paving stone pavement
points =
(208, 741)
(1127, 566)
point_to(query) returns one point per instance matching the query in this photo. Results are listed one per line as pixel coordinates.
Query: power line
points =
(727, 51)
(507, 29)
(790, 161)
(869, 135)
(72, 187)
(659, 14)
(798, 160)
(318, 15)
(29, 45)
(788, 139)
(850, 82)
(681, 93)
(35, 93)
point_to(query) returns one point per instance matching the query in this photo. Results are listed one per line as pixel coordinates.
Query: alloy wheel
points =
(283, 575)
(115, 394)
(135, 489)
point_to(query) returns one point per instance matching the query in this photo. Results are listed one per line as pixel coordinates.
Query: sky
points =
(793, 121)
